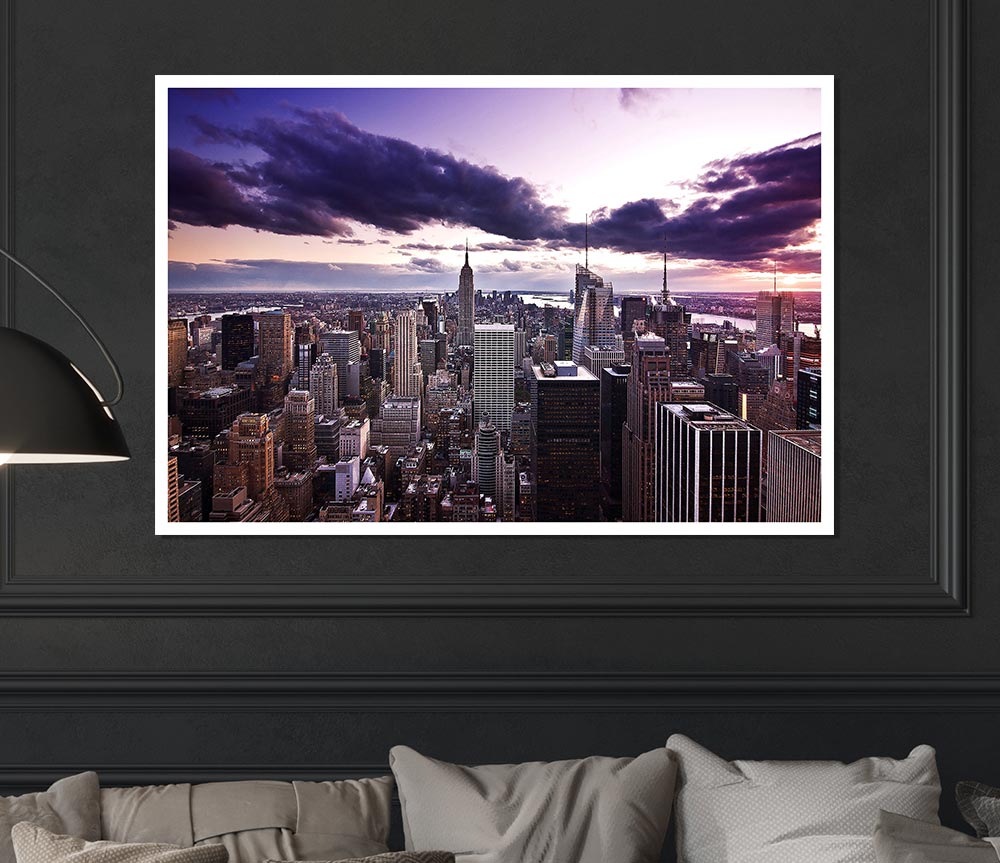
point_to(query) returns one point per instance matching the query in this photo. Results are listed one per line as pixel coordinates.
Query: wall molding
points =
(290, 692)
(939, 589)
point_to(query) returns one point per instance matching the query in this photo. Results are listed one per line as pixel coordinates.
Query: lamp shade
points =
(50, 412)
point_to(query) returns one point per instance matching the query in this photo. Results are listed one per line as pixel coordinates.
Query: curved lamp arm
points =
(66, 304)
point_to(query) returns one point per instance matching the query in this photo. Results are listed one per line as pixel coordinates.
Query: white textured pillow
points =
(793, 811)
(899, 839)
(34, 844)
(594, 810)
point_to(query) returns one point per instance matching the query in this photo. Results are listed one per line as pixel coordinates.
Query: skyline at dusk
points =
(378, 188)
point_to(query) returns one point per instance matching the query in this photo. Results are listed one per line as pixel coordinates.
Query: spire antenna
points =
(586, 242)
(666, 290)
(466, 251)
(775, 264)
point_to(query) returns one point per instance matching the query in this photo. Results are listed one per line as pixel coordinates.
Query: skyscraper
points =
(565, 411)
(671, 322)
(177, 348)
(722, 391)
(324, 384)
(300, 433)
(344, 348)
(809, 403)
(775, 314)
(251, 442)
(276, 345)
(466, 302)
(707, 465)
(493, 374)
(649, 380)
(794, 491)
(486, 459)
(596, 358)
(408, 379)
(614, 411)
(305, 356)
(356, 321)
(593, 313)
(237, 340)
(173, 489)
(633, 309)
(398, 425)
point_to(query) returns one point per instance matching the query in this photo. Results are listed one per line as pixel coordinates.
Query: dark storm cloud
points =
(319, 169)
(319, 175)
(425, 265)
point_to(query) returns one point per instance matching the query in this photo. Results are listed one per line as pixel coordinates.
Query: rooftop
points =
(807, 440)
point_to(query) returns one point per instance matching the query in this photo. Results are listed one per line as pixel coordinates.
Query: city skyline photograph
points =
(537, 300)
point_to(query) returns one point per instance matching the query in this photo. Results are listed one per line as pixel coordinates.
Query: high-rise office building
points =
(466, 302)
(493, 374)
(324, 385)
(398, 425)
(300, 433)
(305, 356)
(354, 438)
(614, 411)
(251, 443)
(237, 340)
(520, 430)
(276, 345)
(520, 347)
(593, 313)
(508, 487)
(431, 312)
(427, 351)
(356, 320)
(439, 394)
(633, 309)
(376, 363)
(408, 379)
(809, 403)
(672, 323)
(486, 458)
(344, 348)
(775, 314)
(722, 391)
(177, 348)
(565, 410)
(596, 358)
(328, 434)
(794, 490)
(173, 489)
(754, 380)
(382, 334)
(707, 465)
(649, 382)
(205, 413)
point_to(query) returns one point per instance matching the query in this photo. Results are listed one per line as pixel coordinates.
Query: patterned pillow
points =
(899, 839)
(793, 811)
(71, 805)
(980, 807)
(391, 857)
(34, 844)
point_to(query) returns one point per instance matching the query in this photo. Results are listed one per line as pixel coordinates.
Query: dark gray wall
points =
(82, 207)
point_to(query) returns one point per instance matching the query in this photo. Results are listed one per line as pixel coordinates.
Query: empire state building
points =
(466, 302)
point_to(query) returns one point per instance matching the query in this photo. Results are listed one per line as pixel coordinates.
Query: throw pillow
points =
(71, 805)
(793, 811)
(34, 844)
(899, 839)
(591, 810)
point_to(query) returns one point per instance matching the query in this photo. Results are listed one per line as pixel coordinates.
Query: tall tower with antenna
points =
(466, 302)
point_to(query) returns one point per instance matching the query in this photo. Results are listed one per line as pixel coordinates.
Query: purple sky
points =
(372, 189)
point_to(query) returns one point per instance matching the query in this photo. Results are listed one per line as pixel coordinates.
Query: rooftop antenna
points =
(666, 290)
(586, 242)
(775, 265)
(466, 251)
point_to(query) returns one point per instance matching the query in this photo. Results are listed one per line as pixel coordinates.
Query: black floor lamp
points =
(49, 411)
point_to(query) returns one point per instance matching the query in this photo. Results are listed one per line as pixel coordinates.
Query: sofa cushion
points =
(34, 844)
(899, 839)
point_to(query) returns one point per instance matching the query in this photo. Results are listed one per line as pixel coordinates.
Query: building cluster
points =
(479, 407)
